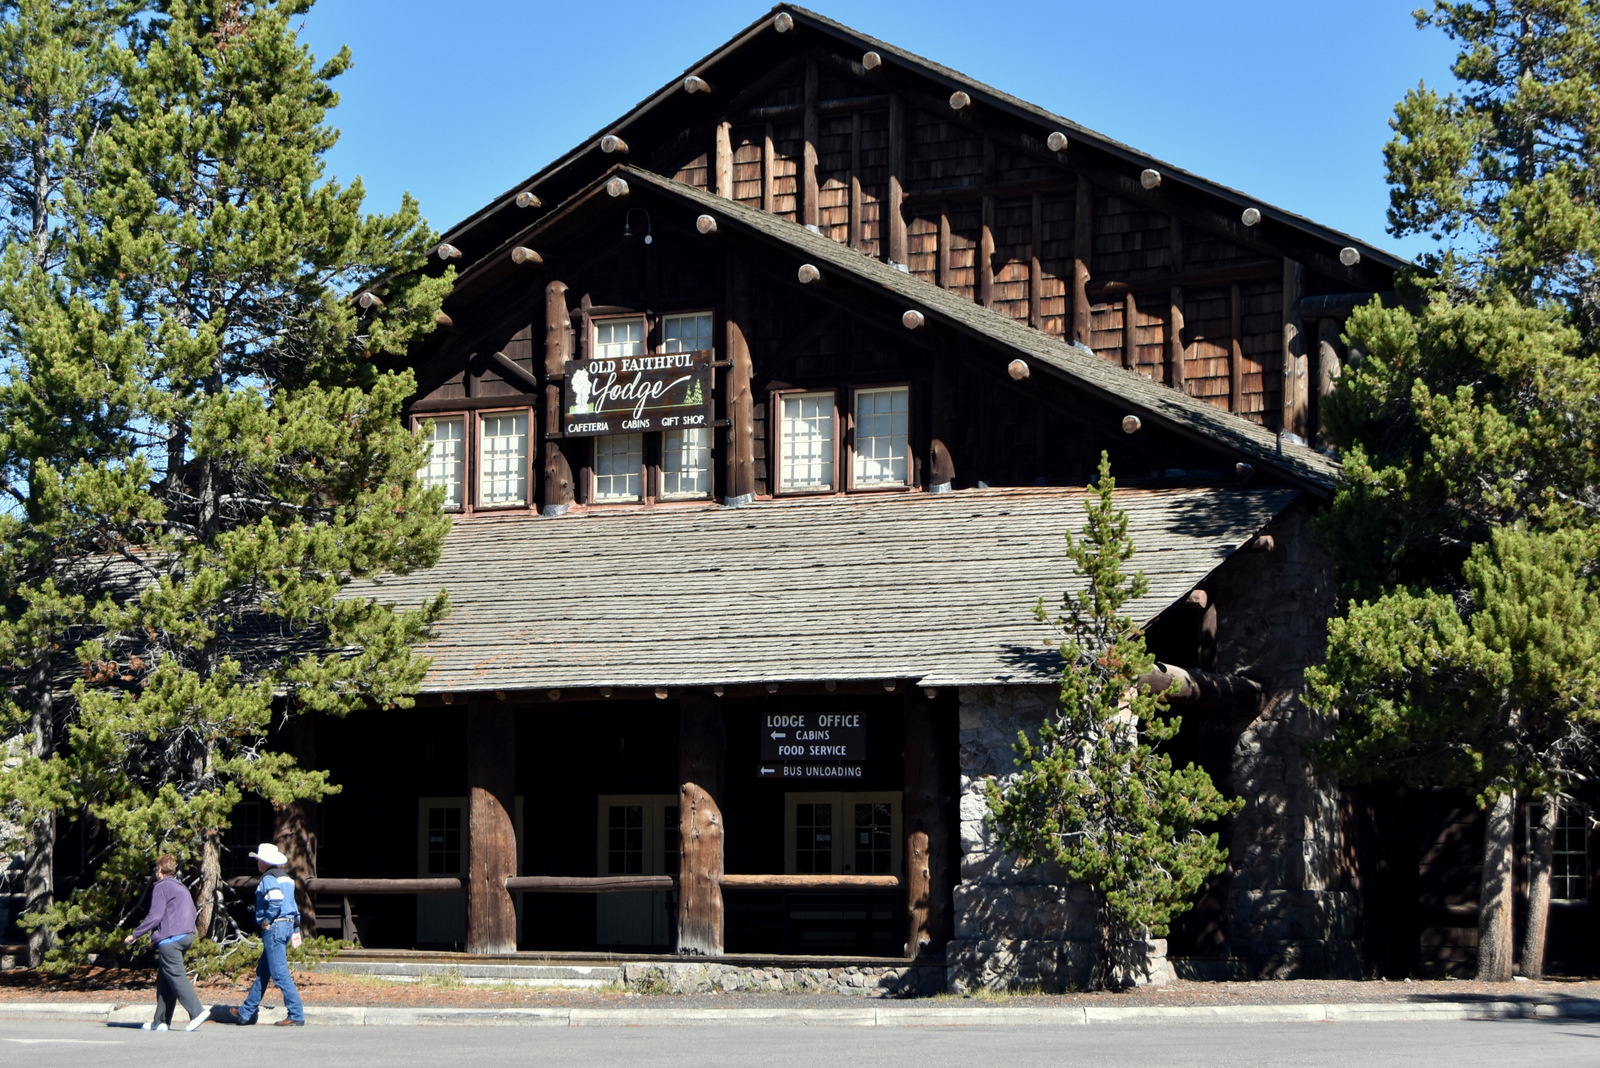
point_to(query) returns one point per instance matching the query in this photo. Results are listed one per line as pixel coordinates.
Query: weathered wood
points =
(1176, 351)
(1329, 369)
(897, 170)
(1294, 351)
(928, 803)
(810, 194)
(294, 826)
(723, 155)
(741, 452)
(589, 884)
(1203, 689)
(385, 886)
(701, 743)
(1082, 249)
(1207, 659)
(943, 272)
(769, 161)
(1235, 350)
(1540, 850)
(491, 834)
(811, 882)
(1130, 331)
(986, 255)
(853, 230)
(942, 419)
(556, 475)
(1035, 267)
(1113, 289)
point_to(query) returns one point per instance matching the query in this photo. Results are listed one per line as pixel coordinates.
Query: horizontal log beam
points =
(363, 886)
(1203, 689)
(591, 884)
(810, 882)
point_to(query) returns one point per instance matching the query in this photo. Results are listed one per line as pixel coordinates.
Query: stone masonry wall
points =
(1015, 926)
(1288, 915)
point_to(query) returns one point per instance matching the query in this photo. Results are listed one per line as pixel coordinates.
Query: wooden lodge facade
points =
(764, 412)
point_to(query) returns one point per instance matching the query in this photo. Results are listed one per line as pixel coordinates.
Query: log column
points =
(740, 459)
(1294, 351)
(810, 192)
(722, 161)
(557, 351)
(1328, 369)
(897, 168)
(1082, 248)
(700, 832)
(294, 826)
(927, 827)
(491, 832)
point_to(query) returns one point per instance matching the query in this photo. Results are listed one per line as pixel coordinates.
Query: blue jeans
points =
(274, 966)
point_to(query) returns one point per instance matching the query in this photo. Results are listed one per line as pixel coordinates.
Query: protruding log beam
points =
(557, 471)
(810, 191)
(1203, 689)
(491, 835)
(696, 84)
(1295, 392)
(912, 319)
(897, 170)
(700, 828)
(722, 152)
(527, 199)
(523, 254)
(1250, 216)
(446, 251)
(367, 300)
(1131, 424)
(1056, 142)
(1082, 248)
(871, 61)
(783, 22)
(960, 100)
(612, 145)
(1349, 256)
(617, 187)
(809, 274)
(706, 224)
(1018, 370)
(1150, 178)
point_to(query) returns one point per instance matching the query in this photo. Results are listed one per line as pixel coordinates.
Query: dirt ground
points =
(125, 986)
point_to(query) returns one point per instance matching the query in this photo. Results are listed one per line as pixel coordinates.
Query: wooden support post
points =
(926, 825)
(491, 834)
(557, 475)
(1329, 368)
(700, 828)
(941, 467)
(1294, 351)
(1235, 351)
(1175, 346)
(1082, 248)
(1035, 268)
(1130, 331)
(741, 451)
(769, 160)
(943, 276)
(986, 255)
(897, 170)
(724, 160)
(294, 826)
(810, 197)
(854, 234)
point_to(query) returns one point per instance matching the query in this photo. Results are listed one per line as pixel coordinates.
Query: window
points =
(805, 443)
(882, 437)
(503, 460)
(686, 463)
(616, 338)
(686, 333)
(843, 833)
(447, 456)
(638, 836)
(619, 467)
(1569, 853)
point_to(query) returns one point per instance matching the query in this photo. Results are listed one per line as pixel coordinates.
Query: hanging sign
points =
(635, 394)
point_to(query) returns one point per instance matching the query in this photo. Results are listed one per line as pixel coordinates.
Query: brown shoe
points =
(286, 1022)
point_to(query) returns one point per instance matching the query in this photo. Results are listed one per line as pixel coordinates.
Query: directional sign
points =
(773, 769)
(813, 737)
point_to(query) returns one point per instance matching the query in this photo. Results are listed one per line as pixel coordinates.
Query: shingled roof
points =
(932, 588)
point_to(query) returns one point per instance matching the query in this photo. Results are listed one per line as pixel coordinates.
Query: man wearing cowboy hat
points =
(279, 919)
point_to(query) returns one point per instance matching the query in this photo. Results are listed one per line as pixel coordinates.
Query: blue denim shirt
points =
(275, 898)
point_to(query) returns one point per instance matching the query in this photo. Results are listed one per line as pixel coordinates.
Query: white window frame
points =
(781, 484)
(1572, 821)
(639, 473)
(843, 827)
(857, 483)
(525, 476)
(424, 425)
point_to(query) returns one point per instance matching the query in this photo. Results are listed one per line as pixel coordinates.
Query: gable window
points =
(616, 338)
(447, 457)
(503, 460)
(686, 333)
(806, 442)
(882, 438)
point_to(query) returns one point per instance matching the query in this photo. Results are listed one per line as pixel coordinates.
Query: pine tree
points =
(267, 464)
(1093, 793)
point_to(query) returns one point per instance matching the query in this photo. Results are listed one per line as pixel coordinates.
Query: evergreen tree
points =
(266, 464)
(1093, 793)
(1468, 435)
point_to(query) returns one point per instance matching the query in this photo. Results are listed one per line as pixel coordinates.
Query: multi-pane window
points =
(874, 838)
(444, 840)
(686, 333)
(619, 467)
(1569, 853)
(625, 840)
(503, 459)
(813, 838)
(686, 463)
(805, 443)
(843, 833)
(447, 456)
(881, 438)
(616, 338)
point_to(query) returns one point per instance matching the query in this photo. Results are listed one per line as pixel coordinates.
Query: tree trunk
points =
(1539, 853)
(1494, 899)
(205, 895)
(295, 827)
(38, 880)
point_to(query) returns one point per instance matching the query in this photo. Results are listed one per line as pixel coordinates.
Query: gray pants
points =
(172, 981)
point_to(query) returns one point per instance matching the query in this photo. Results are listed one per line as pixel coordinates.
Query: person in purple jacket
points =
(171, 927)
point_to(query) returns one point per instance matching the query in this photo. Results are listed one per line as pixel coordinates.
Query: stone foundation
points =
(704, 977)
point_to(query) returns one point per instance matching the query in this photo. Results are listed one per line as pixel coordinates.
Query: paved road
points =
(1522, 1043)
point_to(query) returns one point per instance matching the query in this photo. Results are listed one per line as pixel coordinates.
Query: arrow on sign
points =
(779, 734)
(769, 771)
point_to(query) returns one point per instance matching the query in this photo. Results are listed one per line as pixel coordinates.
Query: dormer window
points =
(873, 446)
(447, 457)
(486, 451)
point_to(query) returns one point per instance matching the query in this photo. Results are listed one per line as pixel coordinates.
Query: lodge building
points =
(763, 413)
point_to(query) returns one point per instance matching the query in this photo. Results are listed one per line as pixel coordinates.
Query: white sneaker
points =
(205, 1014)
(147, 1026)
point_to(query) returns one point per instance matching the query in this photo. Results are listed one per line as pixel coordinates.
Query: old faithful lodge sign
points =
(813, 746)
(634, 394)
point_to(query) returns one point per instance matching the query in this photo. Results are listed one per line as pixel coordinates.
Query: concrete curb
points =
(932, 1014)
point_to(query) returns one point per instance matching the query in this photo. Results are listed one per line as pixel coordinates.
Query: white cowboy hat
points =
(270, 853)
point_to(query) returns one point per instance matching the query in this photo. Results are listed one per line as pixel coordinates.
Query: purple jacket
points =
(171, 911)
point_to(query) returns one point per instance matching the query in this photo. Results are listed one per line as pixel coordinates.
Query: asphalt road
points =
(1523, 1043)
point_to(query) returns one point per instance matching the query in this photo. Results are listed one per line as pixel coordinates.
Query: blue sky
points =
(1286, 100)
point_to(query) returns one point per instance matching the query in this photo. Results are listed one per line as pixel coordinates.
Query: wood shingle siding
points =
(937, 588)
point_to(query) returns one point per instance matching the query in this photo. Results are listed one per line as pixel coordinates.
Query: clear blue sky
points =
(458, 100)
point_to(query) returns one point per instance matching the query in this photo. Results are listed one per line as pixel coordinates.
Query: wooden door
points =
(638, 835)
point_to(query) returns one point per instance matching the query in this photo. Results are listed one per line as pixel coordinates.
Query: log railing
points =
(611, 884)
